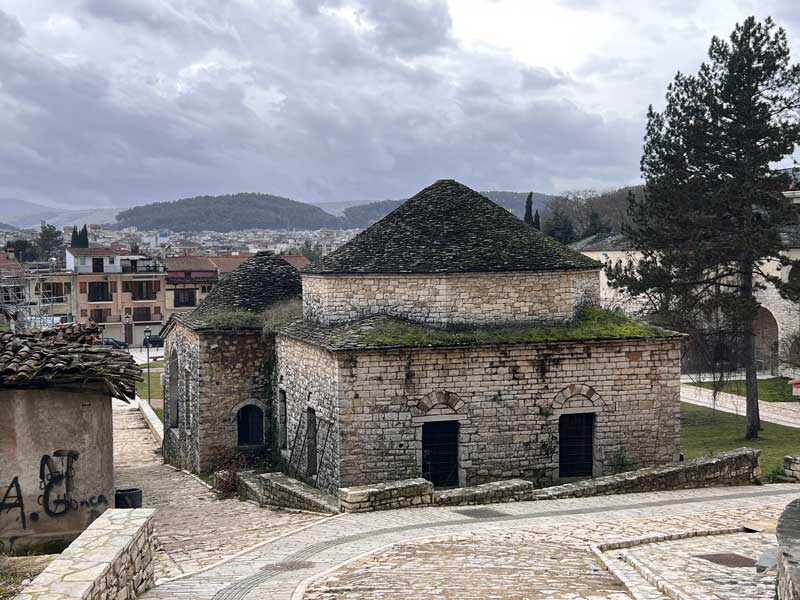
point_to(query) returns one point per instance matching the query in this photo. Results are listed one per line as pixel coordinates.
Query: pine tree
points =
(84, 237)
(529, 209)
(713, 209)
(559, 226)
(596, 225)
(74, 241)
(536, 223)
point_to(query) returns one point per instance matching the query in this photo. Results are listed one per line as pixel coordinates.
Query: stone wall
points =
(56, 465)
(451, 299)
(788, 533)
(278, 489)
(386, 496)
(308, 376)
(111, 560)
(213, 374)
(791, 467)
(507, 400)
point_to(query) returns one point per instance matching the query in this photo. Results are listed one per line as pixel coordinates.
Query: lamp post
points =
(147, 333)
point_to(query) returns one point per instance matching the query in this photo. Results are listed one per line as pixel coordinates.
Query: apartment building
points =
(125, 293)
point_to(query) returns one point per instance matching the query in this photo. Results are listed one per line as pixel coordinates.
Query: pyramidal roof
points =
(450, 228)
(256, 284)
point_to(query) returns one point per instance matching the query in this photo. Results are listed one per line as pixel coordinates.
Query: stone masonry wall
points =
(788, 534)
(451, 299)
(217, 374)
(791, 467)
(386, 496)
(507, 400)
(111, 560)
(308, 376)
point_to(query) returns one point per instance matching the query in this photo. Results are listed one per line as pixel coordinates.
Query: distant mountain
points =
(364, 215)
(64, 218)
(229, 213)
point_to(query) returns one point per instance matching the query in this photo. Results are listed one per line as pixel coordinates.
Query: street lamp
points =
(147, 333)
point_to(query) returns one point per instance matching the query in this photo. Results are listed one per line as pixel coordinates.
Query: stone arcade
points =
(453, 342)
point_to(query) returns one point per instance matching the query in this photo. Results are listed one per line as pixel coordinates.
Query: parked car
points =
(115, 343)
(153, 341)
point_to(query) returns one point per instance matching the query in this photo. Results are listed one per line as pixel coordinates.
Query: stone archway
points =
(765, 329)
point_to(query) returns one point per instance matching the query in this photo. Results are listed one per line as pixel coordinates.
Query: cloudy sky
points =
(113, 102)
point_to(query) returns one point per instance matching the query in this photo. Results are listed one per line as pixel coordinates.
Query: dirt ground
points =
(15, 571)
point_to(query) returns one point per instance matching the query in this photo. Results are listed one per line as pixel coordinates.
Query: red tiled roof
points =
(93, 251)
(226, 264)
(298, 261)
(190, 263)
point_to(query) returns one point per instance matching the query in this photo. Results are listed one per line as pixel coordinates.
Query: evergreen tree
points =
(596, 225)
(536, 223)
(84, 237)
(529, 209)
(712, 210)
(74, 241)
(559, 226)
(49, 243)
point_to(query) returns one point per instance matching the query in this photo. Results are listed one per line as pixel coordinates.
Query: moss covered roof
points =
(240, 299)
(591, 324)
(450, 228)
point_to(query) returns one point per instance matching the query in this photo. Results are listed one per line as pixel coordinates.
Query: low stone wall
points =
(510, 490)
(791, 467)
(278, 489)
(386, 496)
(151, 418)
(111, 560)
(735, 467)
(788, 533)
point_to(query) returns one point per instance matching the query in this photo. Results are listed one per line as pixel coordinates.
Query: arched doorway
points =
(250, 426)
(765, 330)
(173, 388)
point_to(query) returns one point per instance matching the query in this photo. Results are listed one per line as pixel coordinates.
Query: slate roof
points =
(450, 228)
(51, 360)
(401, 333)
(258, 283)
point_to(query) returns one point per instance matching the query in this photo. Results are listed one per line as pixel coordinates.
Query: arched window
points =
(173, 388)
(250, 426)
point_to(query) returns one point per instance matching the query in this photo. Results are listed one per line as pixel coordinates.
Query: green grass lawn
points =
(159, 413)
(776, 389)
(156, 391)
(705, 431)
(153, 365)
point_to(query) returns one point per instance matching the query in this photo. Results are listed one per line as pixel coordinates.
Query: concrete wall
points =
(56, 464)
(507, 400)
(458, 298)
(214, 374)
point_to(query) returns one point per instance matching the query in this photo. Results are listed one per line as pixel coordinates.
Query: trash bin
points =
(128, 498)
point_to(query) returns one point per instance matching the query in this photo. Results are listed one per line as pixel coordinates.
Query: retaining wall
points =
(788, 533)
(111, 560)
(278, 489)
(386, 496)
(791, 467)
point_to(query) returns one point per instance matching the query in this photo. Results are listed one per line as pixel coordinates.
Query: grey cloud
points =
(294, 102)
(10, 28)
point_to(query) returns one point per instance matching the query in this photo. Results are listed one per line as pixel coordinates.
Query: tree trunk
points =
(749, 356)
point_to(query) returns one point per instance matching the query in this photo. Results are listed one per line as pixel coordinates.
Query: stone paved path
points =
(193, 528)
(284, 567)
(782, 413)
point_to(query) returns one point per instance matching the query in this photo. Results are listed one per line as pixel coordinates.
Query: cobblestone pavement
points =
(193, 528)
(347, 544)
(680, 565)
(782, 413)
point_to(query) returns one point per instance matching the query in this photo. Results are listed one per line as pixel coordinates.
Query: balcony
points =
(133, 268)
(145, 315)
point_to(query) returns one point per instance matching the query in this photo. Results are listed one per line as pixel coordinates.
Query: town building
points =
(56, 447)
(449, 341)
(218, 360)
(124, 293)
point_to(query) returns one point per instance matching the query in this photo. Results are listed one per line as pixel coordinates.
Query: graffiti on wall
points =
(56, 492)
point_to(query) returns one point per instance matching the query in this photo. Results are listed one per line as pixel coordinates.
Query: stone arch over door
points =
(437, 410)
(765, 330)
(236, 414)
(173, 388)
(578, 408)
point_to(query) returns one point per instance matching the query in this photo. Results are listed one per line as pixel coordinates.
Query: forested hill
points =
(264, 211)
(229, 213)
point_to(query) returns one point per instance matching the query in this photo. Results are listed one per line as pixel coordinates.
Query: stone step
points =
(638, 587)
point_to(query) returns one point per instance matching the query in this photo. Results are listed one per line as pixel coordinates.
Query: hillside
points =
(229, 213)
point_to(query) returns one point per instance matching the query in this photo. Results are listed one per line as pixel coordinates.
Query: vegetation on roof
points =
(591, 323)
(269, 320)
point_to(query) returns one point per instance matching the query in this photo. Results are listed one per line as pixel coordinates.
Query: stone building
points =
(452, 341)
(56, 448)
(218, 362)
